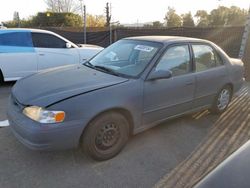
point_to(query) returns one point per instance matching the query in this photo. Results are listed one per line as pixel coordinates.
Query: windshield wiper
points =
(101, 68)
(106, 69)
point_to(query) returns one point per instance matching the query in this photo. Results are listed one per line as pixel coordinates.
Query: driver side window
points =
(176, 59)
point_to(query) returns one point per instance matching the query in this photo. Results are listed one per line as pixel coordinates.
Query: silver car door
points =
(164, 98)
(211, 74)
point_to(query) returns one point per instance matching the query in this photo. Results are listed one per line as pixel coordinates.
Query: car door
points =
(164, 98)
(210, 74)
(17, 55)
(53, 52)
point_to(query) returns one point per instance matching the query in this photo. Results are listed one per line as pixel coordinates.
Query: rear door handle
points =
(41, 54)
(222, 75)
(189, 83)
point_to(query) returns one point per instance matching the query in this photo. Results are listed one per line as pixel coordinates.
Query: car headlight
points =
(44, 116)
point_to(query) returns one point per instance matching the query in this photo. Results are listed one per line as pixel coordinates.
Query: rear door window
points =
(16, 39)
(205, 57)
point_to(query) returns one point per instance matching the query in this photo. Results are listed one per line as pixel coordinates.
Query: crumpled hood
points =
(53, 85)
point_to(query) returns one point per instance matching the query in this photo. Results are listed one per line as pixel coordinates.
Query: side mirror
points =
(68, 45)
(160, 74)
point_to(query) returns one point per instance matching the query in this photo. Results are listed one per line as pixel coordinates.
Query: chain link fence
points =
(228, 38)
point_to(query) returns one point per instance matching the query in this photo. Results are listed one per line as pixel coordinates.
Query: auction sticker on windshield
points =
(144, 48)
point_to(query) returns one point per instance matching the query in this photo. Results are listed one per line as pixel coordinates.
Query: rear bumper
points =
(38, 136)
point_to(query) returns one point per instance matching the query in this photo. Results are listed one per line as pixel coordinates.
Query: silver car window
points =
(176, 59)
(205, 57)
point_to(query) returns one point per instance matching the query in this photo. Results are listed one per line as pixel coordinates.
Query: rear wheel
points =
(105, 136)
(222, 100)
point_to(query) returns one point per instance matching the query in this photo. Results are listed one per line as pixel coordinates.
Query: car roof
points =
(39, 31)
(167, 39)
(29, 29)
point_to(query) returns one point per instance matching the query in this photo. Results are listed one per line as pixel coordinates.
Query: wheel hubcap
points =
(223, 99)
(107, 136)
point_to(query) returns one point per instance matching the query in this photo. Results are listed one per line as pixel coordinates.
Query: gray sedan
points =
(132, 85)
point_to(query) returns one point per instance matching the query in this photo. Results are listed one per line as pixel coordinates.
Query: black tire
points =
(218, 106)
(105, 136)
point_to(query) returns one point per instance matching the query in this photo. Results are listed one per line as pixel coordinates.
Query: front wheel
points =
(222, 100)
(105, 136)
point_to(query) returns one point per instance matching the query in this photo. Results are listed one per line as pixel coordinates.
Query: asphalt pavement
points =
(147, 158)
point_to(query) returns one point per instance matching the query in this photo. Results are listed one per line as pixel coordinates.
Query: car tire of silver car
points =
(222, 100)
(105, 136)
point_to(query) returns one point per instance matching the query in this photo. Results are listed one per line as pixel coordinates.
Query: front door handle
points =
(41, 54)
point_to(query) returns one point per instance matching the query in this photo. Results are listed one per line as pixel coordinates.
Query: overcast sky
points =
(125, 11)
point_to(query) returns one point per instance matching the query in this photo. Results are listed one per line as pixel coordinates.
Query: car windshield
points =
(126, 57)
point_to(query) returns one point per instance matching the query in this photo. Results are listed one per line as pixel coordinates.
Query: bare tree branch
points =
(63, 5)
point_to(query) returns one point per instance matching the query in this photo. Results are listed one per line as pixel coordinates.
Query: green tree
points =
(72, 20)
(219, 16)
(45, 19)
(236, 16)
(157, 24)
(172, 19)
(187, 20)
(50, 19)
(147, 25)
(23, 23)
(16, 19)
(202, 18)
(16, 16)
(96, 20)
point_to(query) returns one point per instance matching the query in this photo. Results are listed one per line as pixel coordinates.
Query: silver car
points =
(132, 85)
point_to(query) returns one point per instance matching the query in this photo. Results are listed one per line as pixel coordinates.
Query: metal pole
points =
(85, 25)
(19, 23)
(245, 36)
(82, 17)
(110, 34)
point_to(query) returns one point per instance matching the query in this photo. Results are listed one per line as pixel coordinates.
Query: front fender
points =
(85, 107)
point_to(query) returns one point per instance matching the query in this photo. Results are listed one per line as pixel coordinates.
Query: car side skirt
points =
(145, 127)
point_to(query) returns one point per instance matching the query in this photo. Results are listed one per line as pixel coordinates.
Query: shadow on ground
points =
(230, 131)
